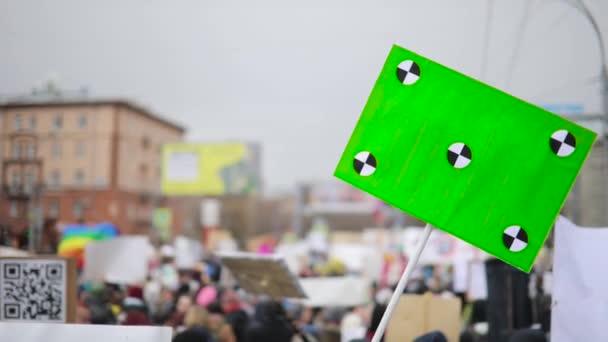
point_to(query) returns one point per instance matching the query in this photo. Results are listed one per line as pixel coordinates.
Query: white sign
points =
(336, 291)
(36, 332)
(580, 300)
(188, 252)
(183, 166)
(123, 260)
(478, 286)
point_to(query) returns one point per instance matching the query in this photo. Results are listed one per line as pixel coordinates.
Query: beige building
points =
(95, 161)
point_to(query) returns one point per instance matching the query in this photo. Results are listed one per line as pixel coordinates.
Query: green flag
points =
(469, 159)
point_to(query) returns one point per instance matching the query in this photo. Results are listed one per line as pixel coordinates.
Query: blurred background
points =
(222, 122)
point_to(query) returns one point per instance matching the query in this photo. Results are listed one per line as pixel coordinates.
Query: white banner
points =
(53, 332)
(580, 299)
(336, 291)
(123, 260)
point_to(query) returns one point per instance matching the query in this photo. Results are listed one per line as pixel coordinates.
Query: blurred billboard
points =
(211, 169)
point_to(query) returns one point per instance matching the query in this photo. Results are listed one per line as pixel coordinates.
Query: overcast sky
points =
(292, 75)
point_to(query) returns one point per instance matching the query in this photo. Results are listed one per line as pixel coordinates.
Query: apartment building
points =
(83, 161)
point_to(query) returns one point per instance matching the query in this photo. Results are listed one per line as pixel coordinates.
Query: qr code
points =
(32, 290)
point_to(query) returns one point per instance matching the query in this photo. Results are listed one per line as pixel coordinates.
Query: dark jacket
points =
(270, 324)
(193, 335)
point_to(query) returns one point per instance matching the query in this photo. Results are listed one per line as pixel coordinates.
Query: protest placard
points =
(37, 289)
(580, 300)
(263, 275)
(417, 315)
(336, 291)
(127, 263)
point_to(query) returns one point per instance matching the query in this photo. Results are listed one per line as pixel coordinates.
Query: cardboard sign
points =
(416, 315)
(263, 275)
(463, 156)
(39, 289)
(123, 260)
(36, 332)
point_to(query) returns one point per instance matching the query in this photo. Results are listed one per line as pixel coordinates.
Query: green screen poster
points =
(469, 159)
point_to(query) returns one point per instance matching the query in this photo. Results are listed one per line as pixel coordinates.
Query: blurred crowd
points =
(199, 307)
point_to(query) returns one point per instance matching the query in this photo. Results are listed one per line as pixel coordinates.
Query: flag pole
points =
(411, 265)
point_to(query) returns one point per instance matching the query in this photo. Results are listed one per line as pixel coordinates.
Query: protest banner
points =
(336, 291)
(263, 275)
(580, 300)
(127, 263)
(417, 315)
(38, 289)
(36, 332)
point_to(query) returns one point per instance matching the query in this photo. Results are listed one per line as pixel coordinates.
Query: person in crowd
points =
(196, 334)
(115, 296)
(176, 320)
(49, 241)
(186, 283)
(435, 336)
(307, 324)
(353, 325)
(163, 309)
(270, 324)
(528, 335)
(134, 308)
(100, 309)
(377, 313)
(218, 326)
(234, 313)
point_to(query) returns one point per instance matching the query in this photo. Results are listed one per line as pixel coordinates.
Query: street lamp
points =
(584, 10)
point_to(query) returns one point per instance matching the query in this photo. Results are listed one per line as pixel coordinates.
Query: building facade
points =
(82, 161)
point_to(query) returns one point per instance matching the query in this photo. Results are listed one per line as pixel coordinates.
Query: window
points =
(13, 210)
(16, 150)
(80, 149)
(79, 177)
(78, 209)
(82, 121)
(56, 150)
(58, 121)
(28, 184)
(15, 181)
(18, 122)
(55, 180)
(31, 151)
(33, 122)
(53, 209)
